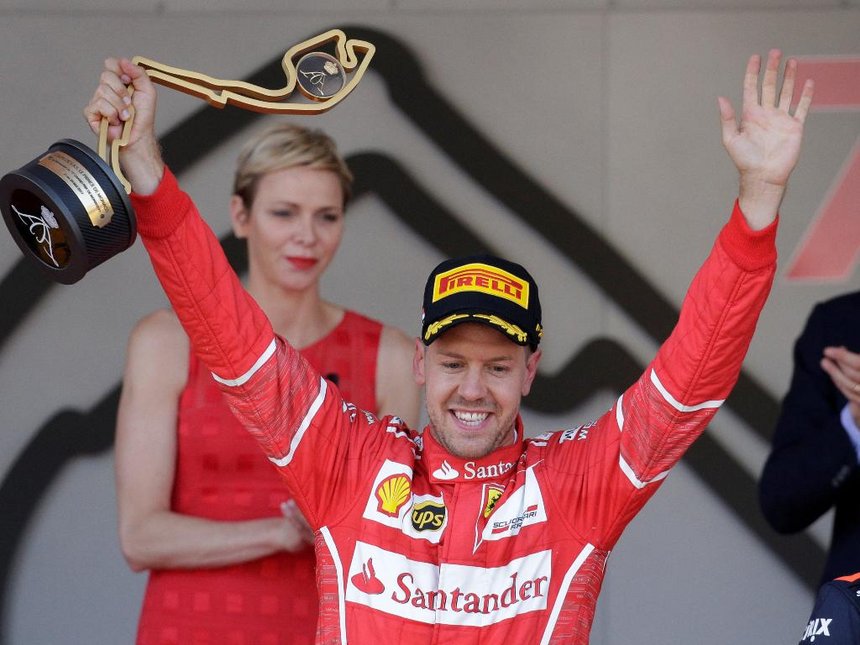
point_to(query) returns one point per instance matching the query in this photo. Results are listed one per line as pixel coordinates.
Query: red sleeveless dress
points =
(222, 474)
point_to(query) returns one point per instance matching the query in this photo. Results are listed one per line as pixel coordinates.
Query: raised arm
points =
(698, 365)
(187, 256)
(656, 420)
(270, 388)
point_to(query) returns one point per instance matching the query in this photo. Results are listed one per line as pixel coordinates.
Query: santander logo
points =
(450, 594)
(511, 592)
(486, 471)
(473, 470)
(446, 472)
(366, 581)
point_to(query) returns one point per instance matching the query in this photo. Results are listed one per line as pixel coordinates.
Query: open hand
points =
(765, 145)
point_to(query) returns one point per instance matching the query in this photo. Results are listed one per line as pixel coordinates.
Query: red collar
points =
(445, 468)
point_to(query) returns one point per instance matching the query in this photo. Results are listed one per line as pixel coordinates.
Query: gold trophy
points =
(69, 210)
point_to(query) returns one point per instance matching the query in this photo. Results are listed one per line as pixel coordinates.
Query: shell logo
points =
(393, 493)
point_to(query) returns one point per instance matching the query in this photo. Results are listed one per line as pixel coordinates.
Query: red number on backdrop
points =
(829, 249)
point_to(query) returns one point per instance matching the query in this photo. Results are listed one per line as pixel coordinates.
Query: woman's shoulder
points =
(391, 333)
(354, 318)
(160, 334)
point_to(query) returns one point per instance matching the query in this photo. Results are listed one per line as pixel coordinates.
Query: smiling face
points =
(474, 380)
(293, 227)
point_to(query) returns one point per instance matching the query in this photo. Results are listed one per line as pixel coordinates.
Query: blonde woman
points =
(200, 506)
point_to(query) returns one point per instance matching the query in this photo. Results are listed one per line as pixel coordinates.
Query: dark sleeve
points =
(835, 620)
(812, 456)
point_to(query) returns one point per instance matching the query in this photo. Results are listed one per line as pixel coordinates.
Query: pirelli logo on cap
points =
(484, 279)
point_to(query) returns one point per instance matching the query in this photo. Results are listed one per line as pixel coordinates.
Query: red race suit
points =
(415, 545)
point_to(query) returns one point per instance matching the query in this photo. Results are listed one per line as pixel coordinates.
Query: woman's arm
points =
(151, 535)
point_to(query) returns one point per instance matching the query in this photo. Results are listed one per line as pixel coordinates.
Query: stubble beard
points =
(450, 440)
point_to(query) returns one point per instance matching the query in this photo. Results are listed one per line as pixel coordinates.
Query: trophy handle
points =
(309, 74)
(320, 77)
(112, 159)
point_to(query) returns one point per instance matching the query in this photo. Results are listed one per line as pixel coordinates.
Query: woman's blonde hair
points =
(283, 146)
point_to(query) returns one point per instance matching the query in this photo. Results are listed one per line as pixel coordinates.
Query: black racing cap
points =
(482, 289)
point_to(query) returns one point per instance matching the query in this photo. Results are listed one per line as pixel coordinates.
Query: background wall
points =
(578, 137)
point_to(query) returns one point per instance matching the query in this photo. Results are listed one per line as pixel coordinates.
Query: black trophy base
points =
(67, 211)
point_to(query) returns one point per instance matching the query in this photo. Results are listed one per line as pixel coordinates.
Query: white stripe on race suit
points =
(306, 422)
(671, 400)
(619, 413)
(562, 592)
(638, 483)
(266, 355)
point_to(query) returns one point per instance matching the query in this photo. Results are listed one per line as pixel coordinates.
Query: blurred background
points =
(578, 137)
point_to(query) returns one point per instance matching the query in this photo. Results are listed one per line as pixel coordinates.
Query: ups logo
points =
(428, 516)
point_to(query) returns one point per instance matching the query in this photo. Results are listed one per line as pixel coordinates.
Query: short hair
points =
(286, 145)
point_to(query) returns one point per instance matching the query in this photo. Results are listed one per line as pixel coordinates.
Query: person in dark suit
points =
(813, 466)
(836, 616)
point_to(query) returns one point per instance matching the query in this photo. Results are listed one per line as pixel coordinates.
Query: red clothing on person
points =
(221, 474)
(416, 545)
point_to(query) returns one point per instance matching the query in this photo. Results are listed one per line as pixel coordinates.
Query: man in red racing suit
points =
(469, 532)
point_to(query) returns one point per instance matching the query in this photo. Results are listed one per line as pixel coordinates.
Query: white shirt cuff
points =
(851, 428)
